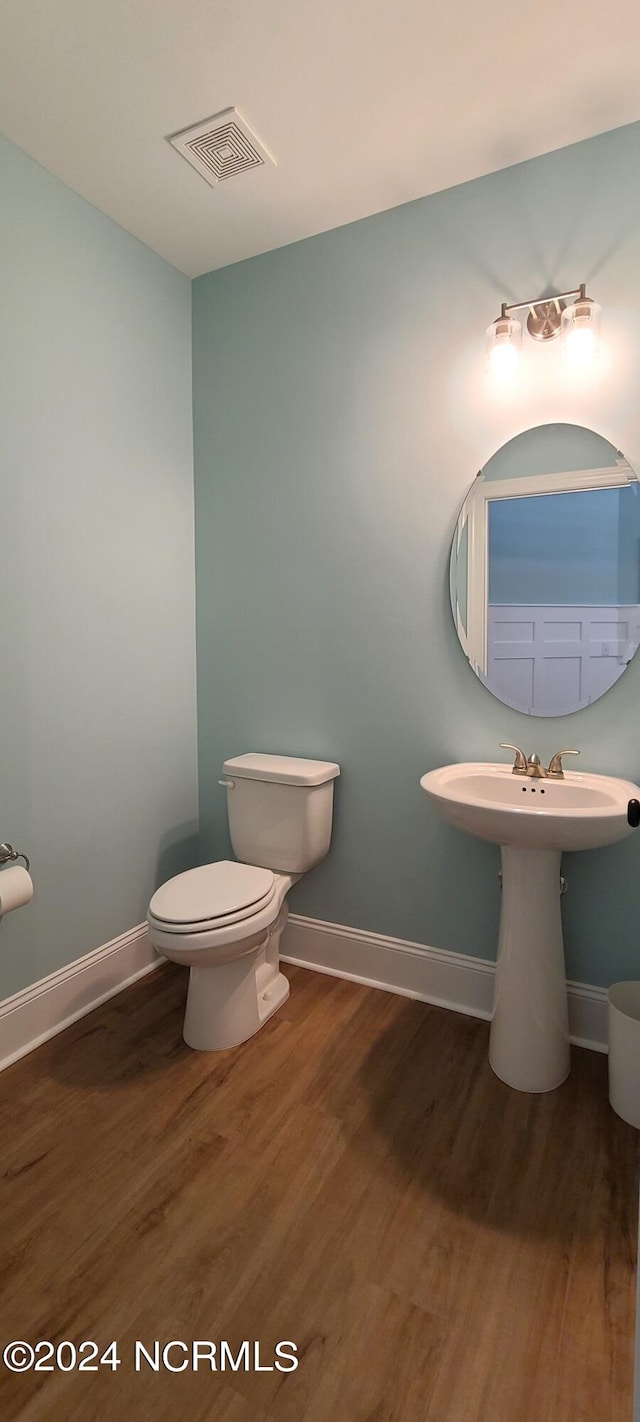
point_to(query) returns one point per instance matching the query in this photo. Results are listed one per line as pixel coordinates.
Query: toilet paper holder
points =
(8, 854)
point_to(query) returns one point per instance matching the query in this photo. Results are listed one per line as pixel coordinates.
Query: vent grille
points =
(225, 151)
(222, 147)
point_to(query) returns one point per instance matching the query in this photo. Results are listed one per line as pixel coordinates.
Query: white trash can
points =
(624, 1051)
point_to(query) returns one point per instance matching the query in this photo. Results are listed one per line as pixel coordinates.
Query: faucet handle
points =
(520, 762)
(555, 764)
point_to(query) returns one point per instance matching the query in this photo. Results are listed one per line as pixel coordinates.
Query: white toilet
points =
(225, 920)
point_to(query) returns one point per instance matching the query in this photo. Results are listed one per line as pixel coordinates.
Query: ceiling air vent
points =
(222, 147)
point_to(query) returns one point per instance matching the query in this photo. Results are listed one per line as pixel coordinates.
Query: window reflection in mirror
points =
(545, 570)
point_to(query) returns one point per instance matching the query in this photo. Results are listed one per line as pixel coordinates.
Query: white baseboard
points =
(435, 975)
(48, 1006)
(453, 980)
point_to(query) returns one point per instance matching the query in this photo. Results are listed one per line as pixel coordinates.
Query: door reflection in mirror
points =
(545, 570)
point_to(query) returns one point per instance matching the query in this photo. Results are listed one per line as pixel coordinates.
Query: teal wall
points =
(629, 544)
(97, 690)
(562, 548)
(340, 412)
(565, 548)
(550, 449)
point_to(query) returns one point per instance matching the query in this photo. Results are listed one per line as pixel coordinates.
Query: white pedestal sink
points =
(533, 821)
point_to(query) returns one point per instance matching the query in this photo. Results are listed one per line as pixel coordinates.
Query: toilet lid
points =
(223, 890)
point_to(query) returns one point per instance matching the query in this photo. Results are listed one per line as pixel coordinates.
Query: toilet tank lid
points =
(281, 769)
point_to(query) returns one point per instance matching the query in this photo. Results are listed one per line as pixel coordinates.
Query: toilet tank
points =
(280, 810)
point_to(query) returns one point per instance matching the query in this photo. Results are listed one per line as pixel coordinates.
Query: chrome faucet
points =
(532, 765)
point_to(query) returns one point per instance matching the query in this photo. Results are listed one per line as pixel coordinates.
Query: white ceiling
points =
(364, 103)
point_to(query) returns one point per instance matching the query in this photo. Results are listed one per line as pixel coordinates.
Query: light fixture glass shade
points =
(504, 339)
(581, 332)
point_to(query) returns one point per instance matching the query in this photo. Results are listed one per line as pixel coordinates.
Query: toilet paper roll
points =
(16, 888)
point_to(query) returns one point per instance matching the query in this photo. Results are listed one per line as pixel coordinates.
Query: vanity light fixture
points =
(571, 314)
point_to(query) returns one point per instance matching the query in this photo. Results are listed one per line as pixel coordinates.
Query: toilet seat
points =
(211, 897)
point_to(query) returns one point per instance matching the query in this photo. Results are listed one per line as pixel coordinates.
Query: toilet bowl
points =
(225, 920)
(206, 920)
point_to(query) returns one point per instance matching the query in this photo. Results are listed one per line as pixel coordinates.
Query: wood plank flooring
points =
(355, 1179)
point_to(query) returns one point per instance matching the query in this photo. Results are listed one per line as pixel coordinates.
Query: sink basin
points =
(578, 812)
(533, 821)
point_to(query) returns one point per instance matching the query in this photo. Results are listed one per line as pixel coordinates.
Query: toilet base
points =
(272, 997)
(229, 1003)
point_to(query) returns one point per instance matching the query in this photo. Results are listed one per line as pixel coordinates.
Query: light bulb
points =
(580, 346)
(504, 337)
(580, 332)
(504, 361)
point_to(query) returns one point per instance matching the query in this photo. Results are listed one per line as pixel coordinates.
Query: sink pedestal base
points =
(529, 1044)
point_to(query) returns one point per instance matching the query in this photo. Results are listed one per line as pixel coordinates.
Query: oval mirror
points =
(545, 570)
